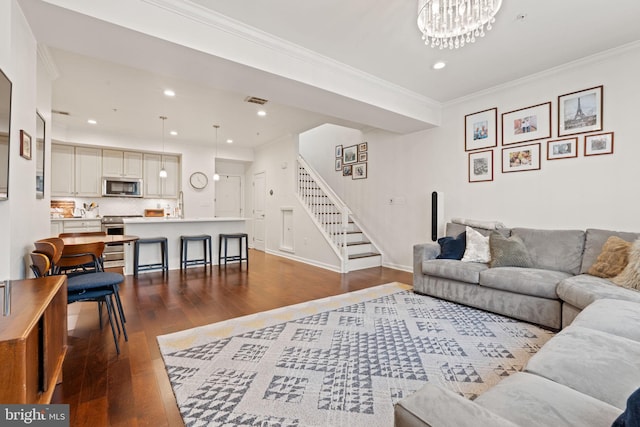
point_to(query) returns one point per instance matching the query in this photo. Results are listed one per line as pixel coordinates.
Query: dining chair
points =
(52, 248)
(81, 290)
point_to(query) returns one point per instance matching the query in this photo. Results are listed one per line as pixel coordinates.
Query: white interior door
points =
(228, 197)
(259, 195)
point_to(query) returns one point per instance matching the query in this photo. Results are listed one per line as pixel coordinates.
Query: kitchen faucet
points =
(181, 204)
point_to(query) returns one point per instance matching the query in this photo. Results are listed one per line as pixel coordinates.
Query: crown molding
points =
(47, 61)
(578, 63)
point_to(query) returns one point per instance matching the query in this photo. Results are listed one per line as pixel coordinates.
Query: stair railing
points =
(328, 211)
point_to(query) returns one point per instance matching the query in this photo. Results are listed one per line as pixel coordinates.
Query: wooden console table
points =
(33, 340)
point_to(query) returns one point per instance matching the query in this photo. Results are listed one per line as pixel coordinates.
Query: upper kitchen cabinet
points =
(156, 187)
(125, 164)
(76, 171)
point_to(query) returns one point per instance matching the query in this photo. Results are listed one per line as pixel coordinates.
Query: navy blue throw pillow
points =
(452, 247)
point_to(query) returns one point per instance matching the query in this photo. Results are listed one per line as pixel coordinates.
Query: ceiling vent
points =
(62, 113)
(256, 100)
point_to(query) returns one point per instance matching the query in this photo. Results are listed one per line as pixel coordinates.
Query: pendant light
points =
(163, 171)
(216, 177)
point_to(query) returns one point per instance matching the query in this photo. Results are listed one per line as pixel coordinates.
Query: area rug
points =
(340, 361)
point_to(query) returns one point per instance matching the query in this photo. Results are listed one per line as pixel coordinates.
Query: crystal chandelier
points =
(454, 23)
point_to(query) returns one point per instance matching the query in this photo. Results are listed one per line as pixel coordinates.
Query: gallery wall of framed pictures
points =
(579, 124)
(352, 161)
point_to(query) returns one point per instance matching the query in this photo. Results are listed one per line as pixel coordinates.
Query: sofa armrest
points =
(435, 406)
(424, 252)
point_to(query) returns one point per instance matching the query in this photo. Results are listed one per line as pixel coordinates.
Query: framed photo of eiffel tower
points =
(580, 112)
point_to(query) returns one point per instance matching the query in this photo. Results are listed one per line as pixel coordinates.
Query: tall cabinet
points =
(76, 171)
(154, 186)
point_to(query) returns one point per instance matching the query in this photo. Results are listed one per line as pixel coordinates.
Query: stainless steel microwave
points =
(121, 187)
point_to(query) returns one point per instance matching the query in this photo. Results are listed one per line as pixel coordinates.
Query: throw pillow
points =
(612, 259)
(508, 252)
(630, 276)
(477, 249)
(452, 247)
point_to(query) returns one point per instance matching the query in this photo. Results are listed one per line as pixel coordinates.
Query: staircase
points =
(336, 221)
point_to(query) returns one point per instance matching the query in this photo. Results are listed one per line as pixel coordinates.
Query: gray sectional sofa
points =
(582, 376)
(550, 294)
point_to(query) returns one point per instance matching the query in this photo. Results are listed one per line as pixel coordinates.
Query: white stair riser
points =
(360, 249)
(355, 237)
(360, 263)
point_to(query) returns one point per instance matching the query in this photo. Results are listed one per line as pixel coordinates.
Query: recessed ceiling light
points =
(173, 132)
(262, 113)
(169, 92)
(229, 141)
(439, 65)
(91, 122)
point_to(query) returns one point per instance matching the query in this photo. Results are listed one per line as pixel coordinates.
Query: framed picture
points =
(338, 164)
(562, 148)
(526, 124)
(480, 130)
(481, 166)
(580, 112)
(39, 155)
(359, 171)
(362, 147)
(601, 143)
(347, 170)
(362, 157)
(521, 158)
(338, 150)
(25, 145)
(350, 154)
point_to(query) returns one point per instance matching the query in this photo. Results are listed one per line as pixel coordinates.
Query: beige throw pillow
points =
(630, 276)
(612, 259)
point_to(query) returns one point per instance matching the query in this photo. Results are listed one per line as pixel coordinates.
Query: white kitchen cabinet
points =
(57, 227)
(62, 170)
(81, 225)
(156, 187)
(76, 171)
(118, 163)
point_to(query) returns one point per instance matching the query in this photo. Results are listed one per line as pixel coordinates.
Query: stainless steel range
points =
(114, 225)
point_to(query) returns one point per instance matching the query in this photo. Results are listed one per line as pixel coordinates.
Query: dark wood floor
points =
(132, 389)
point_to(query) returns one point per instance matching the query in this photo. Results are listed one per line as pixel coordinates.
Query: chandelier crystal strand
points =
(454, 23)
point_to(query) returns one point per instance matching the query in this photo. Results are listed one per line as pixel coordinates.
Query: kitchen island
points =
(172, 229)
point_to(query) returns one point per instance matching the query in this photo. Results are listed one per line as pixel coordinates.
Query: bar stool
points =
(225, 238)
(184, 246)
(164, 265)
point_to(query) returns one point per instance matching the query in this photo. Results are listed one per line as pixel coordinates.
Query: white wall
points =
(22, 217)
(278, 160)
(598, 191)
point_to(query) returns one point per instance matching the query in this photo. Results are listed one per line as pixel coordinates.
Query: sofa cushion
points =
(468, 272)
(477, 248)
(582, 290)
(592, 362)
(524, 397)
(527, 281)
(613, 258)
(630, 276)
(595, 239)
(612, 316)
(559, 250)
(452, 247)
(508, 251)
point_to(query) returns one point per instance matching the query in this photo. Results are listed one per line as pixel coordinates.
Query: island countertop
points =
(173, 220)
(173, 229)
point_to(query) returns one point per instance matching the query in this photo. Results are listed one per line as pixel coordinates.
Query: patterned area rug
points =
(340, 361)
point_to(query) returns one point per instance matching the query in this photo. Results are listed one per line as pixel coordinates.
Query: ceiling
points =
(116, 75)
